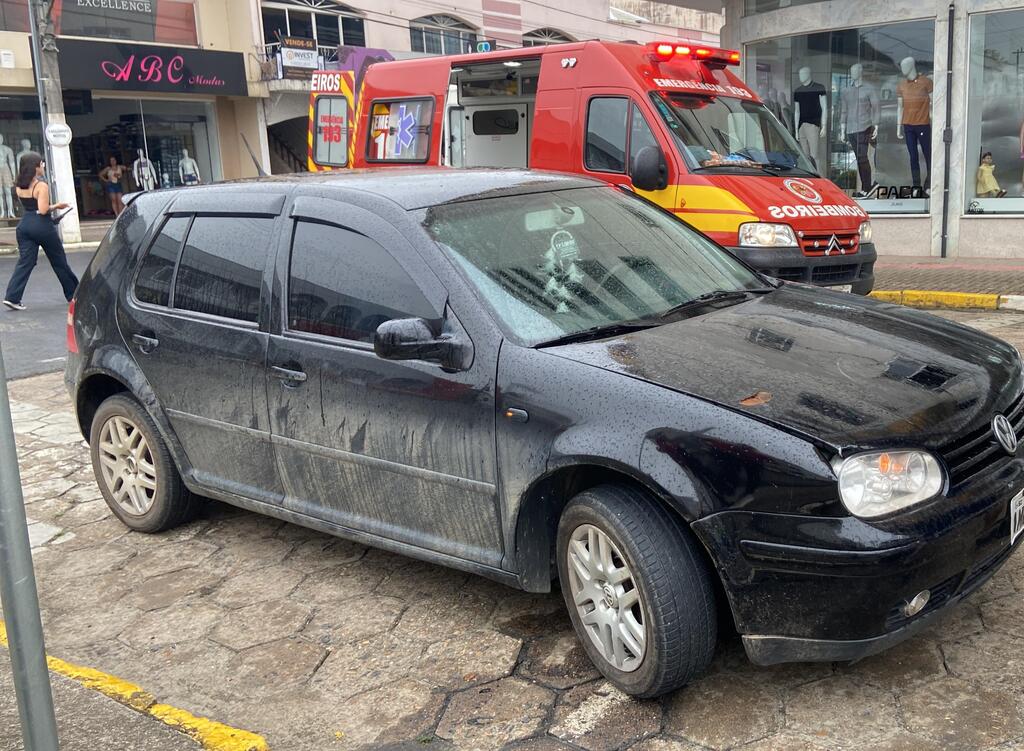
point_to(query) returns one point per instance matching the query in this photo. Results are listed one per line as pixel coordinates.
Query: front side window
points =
(558, 263)
(344, 285)
(222, 265)
(606, 134)
(400, 130)
(994, 170)
(153, 284)
(722, 133)
(640, 135)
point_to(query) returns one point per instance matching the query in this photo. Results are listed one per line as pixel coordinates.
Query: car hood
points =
(850, 371)
(805, 203)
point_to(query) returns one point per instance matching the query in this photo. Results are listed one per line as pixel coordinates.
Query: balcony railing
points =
(269, 56)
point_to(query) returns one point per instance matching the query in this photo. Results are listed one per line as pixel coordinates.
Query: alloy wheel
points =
(607, 598)
(127, 465)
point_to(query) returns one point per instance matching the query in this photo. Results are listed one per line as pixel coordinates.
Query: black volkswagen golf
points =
(535, 377)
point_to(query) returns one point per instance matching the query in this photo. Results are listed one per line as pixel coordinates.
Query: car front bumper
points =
(790, 264)
(808, 589)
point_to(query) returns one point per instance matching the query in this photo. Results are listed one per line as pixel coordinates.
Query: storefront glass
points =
(859, 101)
(995, 115)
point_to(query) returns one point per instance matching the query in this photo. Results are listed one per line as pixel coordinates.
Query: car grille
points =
(818, 244)
(834, 274)
(978, 450)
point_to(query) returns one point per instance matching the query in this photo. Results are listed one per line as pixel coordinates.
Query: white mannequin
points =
(188, 170)
(8, 171)
(808, 133)
(861, 111)
(143, 172)
(26, 148)
(911, 122)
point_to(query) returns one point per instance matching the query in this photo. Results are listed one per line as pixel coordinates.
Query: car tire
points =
(863, 288)
(675, 598)
(134, 469)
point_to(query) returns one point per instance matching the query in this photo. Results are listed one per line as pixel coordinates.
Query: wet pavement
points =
(995, 276)
(318, 643)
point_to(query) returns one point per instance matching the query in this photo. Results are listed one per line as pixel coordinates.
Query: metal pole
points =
(19, 597)
(947, 132)
(37, 69)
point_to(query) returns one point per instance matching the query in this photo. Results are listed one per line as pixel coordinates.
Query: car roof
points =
(419, 187)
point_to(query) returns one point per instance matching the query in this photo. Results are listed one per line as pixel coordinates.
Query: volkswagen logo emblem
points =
(1004, 434)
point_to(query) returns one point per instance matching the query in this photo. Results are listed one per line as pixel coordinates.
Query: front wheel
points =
(638, 590)
(863, 288)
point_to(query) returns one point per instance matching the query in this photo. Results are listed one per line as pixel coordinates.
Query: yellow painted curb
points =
(212, 735)
(919, 298)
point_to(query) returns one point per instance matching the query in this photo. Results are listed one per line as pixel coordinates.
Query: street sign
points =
(58, 134)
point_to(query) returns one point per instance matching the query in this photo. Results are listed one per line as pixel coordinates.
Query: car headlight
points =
(764, 235)
(879, 483)
(865, 232)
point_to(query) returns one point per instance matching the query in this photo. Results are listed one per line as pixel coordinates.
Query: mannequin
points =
(188, 169)
(26, 148)
(811, 114)
(860, 113)
(8, 171)
(143, 172)
(914, 115)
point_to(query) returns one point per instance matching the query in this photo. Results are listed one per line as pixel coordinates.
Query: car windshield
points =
(557, 263)
(726, 134)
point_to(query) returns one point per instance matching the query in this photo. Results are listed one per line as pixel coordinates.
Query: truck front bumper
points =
(856, 269)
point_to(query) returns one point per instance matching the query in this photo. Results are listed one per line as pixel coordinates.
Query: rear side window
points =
(344, 285)
(153, 285)
(496, 123)
(222, 266)
(400, 130)
(606, 134)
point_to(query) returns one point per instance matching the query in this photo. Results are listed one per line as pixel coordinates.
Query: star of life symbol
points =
(404, 135)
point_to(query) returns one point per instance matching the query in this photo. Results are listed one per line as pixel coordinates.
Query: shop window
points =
(222, 266)
(353, 34)
(328, 24)
(328, 33)
(859, 101)
(153, 284)
(300, 24)
(344, 285)
(275, 24)
(441, 35)
(606, 134)
(170, 22)
(14, 16)
(400, 130)
(993, 179)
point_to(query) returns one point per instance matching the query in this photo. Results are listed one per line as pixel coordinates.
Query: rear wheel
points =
(134, 469)
(638, 590)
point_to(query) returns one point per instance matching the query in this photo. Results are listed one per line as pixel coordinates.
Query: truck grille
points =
(978, 449)
(834, 274)
(818, 244)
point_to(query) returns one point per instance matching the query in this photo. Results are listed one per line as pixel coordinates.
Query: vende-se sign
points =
(126, 66)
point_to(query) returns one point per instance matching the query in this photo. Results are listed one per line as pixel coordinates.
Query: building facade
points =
(171, 88)
(916, 109)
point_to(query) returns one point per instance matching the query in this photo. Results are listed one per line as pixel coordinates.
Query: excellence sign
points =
(126, 66)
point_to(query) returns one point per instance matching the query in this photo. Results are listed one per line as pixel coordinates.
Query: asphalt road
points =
(34, 340)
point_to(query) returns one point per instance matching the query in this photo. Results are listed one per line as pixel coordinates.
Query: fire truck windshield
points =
(728, 134)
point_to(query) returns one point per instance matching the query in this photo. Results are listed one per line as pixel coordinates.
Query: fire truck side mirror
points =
(650, 171)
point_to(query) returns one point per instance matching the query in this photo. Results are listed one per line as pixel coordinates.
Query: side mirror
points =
(414, 339)
(649, 169)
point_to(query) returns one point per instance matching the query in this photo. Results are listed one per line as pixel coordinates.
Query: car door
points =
(191, 318)
(398, 449)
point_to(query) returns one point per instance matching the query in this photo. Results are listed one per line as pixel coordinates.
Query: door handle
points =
(146, 344)
(294, 377)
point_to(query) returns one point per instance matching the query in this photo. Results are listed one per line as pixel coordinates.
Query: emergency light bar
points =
(665, 51)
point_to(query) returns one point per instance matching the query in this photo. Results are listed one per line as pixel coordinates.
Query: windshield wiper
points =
(603, 331)
(770, 168)
(715, 296)
(787, 167)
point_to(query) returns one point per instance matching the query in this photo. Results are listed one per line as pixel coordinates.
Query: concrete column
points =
(62, 175)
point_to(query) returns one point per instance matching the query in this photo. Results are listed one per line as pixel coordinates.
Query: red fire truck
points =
(669, 120)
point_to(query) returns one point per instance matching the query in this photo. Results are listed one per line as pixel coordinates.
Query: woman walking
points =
(37, 228)
(111, 176)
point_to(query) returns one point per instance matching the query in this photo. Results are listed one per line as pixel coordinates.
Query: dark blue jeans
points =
(36, 230)
(918, 135)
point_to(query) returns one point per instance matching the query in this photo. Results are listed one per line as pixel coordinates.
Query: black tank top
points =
(31, 203)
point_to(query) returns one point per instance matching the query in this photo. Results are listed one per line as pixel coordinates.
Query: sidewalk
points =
(93, 231)
(984, 275)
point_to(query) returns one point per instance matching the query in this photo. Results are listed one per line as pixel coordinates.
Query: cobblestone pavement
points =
(1001, 277)
(317, 643)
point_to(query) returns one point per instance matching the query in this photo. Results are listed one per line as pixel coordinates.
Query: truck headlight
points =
(764, 235)
(865, 232)
(879, 483)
